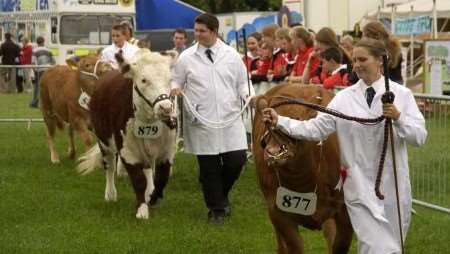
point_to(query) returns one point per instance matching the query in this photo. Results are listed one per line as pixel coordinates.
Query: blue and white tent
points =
(165, 14)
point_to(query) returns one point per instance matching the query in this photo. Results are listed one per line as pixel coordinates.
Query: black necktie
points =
(370, 93)
(208, 53)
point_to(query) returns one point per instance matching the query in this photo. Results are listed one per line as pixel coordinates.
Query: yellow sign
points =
(126, 3)
(84, 51)
(28, 5)
(55, 51)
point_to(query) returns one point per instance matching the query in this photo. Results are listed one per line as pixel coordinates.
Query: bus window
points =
(106, 22)
(79, 30)
(21, 31)
(88, 29)
(54, 29)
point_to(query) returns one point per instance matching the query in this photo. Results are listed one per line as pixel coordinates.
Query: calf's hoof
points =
(54, 159)
(111, 195)
(142, 212)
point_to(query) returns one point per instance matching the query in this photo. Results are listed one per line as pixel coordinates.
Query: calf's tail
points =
(45, 104)
(90, 160)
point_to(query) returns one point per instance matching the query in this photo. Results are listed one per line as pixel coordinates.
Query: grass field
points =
(48, 208)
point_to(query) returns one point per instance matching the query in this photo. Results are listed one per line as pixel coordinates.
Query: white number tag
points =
(294, 202)
(147, 130)
(83, 100)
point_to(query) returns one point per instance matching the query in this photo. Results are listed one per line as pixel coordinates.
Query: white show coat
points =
(374, 221)
(108, 54)
(216, 90)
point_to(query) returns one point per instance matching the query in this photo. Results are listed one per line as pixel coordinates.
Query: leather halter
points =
(172, 122)
(161, 97)
(93, 74)
(284, 152)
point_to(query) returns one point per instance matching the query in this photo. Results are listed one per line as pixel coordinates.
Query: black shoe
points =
(216, 218)
(227, 211)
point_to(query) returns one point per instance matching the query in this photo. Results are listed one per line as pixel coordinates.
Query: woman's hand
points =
(270, 116)
(390, 111)
(175, 92)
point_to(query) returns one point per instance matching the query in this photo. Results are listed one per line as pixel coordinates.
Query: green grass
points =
(48, 208)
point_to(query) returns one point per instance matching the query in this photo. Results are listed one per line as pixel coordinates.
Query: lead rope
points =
(212, 124)
(388, 97)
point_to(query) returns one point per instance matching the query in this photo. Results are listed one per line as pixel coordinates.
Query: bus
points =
(69, 27)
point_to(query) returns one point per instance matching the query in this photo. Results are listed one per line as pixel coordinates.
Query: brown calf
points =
(60, 91)
(302, 167)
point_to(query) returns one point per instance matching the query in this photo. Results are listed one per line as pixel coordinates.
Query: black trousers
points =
(218, 173)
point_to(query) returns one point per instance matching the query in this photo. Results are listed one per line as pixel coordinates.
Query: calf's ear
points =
(325, 96)
(72, 62)
(172, 54)
(261, 103)
(124, 66)
(119, 58)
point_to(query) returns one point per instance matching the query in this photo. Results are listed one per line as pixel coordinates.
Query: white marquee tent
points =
(420, 7)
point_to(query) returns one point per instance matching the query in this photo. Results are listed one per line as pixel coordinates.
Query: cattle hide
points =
(307, 166)
(135, 97)
(60, 91)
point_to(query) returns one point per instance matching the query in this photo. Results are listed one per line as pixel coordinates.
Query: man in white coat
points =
(213, 77)
(375, 221)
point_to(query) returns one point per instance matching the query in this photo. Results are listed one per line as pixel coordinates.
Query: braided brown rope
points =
(289, 100)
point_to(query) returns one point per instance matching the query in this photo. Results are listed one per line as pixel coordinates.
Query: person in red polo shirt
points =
(252, 56)
(26, 52)
(332, 64)
(303, 42)
(263, 64)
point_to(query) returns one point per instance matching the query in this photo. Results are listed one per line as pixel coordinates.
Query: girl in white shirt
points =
(120, 45)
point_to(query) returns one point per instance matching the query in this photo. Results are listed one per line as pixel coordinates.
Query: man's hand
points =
(251, 101)
(270, 116)
(390, 111)
(175, 92)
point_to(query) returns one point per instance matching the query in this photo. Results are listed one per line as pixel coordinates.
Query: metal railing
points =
(430, 164)
(12, 80)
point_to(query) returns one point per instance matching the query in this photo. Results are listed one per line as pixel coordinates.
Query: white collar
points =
(341, 67)
(249, 55)
(214, 48)
(125, 45)
(377, 85)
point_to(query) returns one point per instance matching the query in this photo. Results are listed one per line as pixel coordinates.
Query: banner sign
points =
(413, 25)
(437, 67)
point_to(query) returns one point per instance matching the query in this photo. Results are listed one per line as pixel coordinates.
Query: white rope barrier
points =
(212, 124)
(26, 66)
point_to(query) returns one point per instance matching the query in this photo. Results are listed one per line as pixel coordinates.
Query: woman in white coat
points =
(375, 221)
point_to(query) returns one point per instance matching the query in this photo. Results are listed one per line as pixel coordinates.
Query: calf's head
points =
(90, 69)
(279, 149)
(150, 73)
(89, 65)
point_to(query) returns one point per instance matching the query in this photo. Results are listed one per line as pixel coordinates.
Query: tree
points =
(223, 6)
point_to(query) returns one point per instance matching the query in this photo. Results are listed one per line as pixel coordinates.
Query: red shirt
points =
(248, 60)
(319, 76)
(25, 54)
(302, 59)
(339, 77)
(279, 63)
(263, 66)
